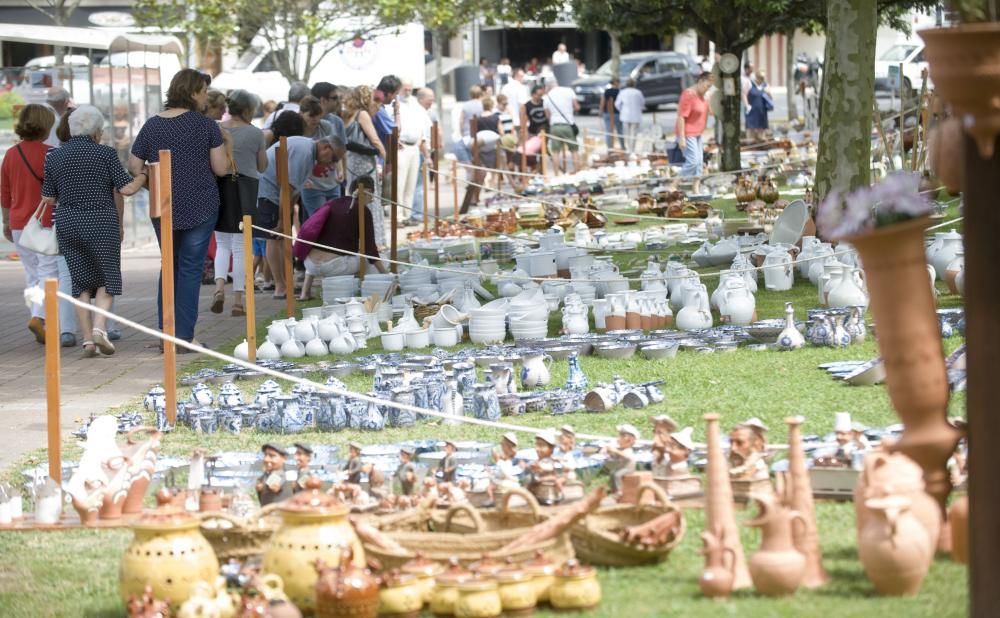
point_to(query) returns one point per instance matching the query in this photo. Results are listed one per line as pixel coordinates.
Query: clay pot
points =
(478, 597)
(425, 571)
(777, 567)
(796, 493)
(716, 579)
(896, 474)
(893, 548)
(142, 464)
(209, 499)
(543, 573)
(719, 514)
(345, 591)
(614, 322)
(958, 519)
(446, 588)
(517, 591)
(575, 588)
(964, 67)
(910, 344)
(401, 596)
(169, 554)
(314, 527)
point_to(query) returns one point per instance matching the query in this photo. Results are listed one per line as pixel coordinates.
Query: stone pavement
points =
(92, 385)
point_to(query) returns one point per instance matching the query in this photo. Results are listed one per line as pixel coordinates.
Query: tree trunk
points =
(790, 84)
(844, 157)
(616, 53)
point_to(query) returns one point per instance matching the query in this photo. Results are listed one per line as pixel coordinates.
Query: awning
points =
(90, 38)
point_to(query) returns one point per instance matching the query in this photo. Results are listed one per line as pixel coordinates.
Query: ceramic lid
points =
(511, 573)
(486, 565)
(165, 518)
(312, 501)
(395, 579)
(453, 575)
(574, 570)
(423, 566)
(476, 582)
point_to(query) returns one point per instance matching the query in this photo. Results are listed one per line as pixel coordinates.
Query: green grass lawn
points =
(75, 573)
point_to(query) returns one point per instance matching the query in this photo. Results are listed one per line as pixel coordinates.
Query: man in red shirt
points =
(692, 114)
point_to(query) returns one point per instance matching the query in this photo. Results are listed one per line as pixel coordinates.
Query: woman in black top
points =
(534, 116)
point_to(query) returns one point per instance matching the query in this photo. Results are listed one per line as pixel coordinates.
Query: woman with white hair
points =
(87, 181)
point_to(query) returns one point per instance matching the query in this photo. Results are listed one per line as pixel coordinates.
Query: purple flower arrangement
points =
(894, 200)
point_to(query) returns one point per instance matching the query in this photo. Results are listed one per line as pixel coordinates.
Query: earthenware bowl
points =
(615, 350)
(658, 350)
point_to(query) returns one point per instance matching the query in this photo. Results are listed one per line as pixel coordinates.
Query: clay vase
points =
(117, 473)
(142, 464)
(87, 508)
(895, 474)
(346, 591)
(958, 519)
(777, 567)
(796, 494)
(209, 499)
(910, 344)
(716, 581)
(719, 514)
(963, 66)
(893, 548)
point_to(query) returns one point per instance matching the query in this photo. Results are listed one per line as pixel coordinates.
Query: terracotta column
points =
(719, 515)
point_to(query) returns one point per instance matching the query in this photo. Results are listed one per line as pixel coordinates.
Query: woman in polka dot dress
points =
(87, 181)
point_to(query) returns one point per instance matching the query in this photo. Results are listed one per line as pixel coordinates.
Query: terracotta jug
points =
(795, 490)
(716, 580)
(346, 591)
(896, 474)
(719, 514)
(893, 547)
(141, 464)
(777, 567)
(910, 344)
(958, 520)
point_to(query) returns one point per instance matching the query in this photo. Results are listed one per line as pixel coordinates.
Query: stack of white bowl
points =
(488, 324)
(342, 286)
(377, 284)
(586, 291)
(529, 315)
(414, 279)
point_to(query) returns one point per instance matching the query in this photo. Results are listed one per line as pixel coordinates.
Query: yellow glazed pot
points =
(543, 574)
(517, 592)
(445, 593)
(575, 587)
(425, 571)
(314, 526)
(401, 596)
(478, 598)
(168, 553)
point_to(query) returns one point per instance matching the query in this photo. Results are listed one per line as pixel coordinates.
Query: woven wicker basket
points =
(465, 518)
(467, 548)
(243, 538)
(425, 311)
(596, 538)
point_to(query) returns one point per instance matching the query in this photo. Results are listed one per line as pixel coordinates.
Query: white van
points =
(398, 51)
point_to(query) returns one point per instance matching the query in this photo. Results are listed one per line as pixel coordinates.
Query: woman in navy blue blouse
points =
(198, 156)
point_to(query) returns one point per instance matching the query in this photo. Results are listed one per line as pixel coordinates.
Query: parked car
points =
(661, 76)
(911, 56)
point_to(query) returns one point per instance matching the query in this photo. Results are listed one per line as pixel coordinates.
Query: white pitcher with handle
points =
(535, 369)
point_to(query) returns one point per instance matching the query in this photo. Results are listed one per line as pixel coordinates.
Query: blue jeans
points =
(693, 156)
(462, 152)
(312, 199)
(618, 127)
(190, 250)
(418, 194)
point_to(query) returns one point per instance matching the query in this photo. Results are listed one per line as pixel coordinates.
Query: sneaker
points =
(67, 340)
(114, 334)
(37, 327)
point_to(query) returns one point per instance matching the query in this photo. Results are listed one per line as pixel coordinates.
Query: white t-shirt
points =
(517, 95)
(288, 107)
(559, 57)
(629, 104)
(560, 99)
(414, 123)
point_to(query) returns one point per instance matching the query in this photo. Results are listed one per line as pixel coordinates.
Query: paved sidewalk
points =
(91, 385)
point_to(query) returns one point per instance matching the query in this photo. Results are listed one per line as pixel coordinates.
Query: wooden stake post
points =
(425, 172)
(454, 186)
(435, 144)
(164, 196)
(393, 195)
(249, 292)
(285, 207)
(362, 249)
(53, 377)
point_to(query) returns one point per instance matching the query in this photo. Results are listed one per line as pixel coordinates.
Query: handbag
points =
(237, 197)
(576, 129)
(675, 155)
(357, 141)
(35, 237)
(768, 101)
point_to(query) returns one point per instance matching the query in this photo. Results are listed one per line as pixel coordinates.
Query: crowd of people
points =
(223, 151)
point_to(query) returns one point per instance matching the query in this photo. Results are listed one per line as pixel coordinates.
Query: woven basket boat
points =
(597, 540)
(465, 518)
(241, 538)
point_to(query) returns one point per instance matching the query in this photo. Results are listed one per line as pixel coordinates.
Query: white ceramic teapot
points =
(293, 348)
(778, 272)
(846, 292)
(278, 332)
(305, 330)
(738, 304)
(574, 319)
(343, 343)
(535, 369)
(696, 314)
(316, 347)
(242, 351)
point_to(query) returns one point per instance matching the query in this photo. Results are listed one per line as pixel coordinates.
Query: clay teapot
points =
(777, 567)
(893, 547)
(575, 587)
(345, 591)
(767, 191)
(716, 580)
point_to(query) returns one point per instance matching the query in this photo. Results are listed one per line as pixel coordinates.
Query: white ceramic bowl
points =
(487, 338)
(418, 338)
(445, 337)
(393, 342)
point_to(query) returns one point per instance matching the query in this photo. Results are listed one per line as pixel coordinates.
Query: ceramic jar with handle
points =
(517, 591)
(847, 292)
(445, 590)
(535, 369)
(400, 596)
(893, 547)
(716, 579)
(575, 588)
(778, 272)
(425, 571)
(777, 567)
(169, 554)
(344, 591)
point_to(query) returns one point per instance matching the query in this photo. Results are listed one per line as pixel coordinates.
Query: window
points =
(919, 57)
(670, 65)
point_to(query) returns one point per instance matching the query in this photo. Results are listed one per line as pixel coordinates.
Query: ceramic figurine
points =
(777, 567)
(621, 458)
(303, 461)
(271, 485)
(447, 467)
(678, 451)
(663, 426)
(406, 472)
(542, 480)
(576, 379)
(716, 579)
(719, 515)
(790, 338)
(747, 451)
(505, 472)
(893, 547)
(354, 466)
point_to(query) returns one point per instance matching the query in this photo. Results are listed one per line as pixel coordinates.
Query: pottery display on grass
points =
(716, 579)
(893, 547)
(169, 554)
(847, 292)
(719, 515)
(779, 275)
(346, 590)
(777, 567)
(314, 527)
(535, 369)
(575, 588)
(910, 346)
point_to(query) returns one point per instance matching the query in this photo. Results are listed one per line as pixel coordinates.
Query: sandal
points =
(89, 349)
(102, 342)
(218, 301)
(238, 311)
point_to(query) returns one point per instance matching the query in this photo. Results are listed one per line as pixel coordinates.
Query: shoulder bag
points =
(38, 238)
(576, 129)
(237, 197)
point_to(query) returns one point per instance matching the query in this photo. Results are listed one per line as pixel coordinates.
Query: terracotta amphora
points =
(347, 591)
(719, 515)
(716, 580)
(958, 518)
(894, 547)
(896, 474)
(777, 567)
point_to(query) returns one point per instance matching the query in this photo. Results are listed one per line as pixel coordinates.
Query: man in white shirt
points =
(560, 55)
(745, 85)
(560, 105)
(629, 104)
(517, 94)
(57, 99)
(425, 101)
(414, 127)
